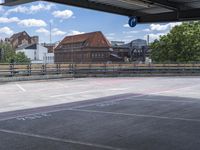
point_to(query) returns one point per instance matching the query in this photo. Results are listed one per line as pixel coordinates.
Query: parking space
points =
(101, 114)
(125, 123)
(32, 94)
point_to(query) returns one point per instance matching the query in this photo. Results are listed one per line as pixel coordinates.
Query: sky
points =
(37, 17)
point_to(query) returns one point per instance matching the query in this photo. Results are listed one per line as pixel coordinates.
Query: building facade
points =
(50, 46)
(83, 48)
(36, 53)
(22, 38)
(136, 50)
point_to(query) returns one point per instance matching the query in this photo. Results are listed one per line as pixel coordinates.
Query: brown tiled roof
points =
(93, 39)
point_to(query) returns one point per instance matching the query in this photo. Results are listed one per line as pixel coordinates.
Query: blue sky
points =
(35, 18)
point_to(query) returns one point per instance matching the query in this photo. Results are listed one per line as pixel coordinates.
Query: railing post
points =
(29, 69)
(58, 69)
(44, 69)
(11, 67)
(104, 68)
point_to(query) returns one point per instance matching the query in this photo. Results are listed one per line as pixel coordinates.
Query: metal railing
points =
(14, 70)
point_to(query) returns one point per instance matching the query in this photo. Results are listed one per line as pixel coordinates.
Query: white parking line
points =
(89, 91)
(20, 87)
(60, 140)
(135, 115)
(165, 100)
(111, 101)
(118, 89)
(69, 94)
(63, 109)
(173, 90)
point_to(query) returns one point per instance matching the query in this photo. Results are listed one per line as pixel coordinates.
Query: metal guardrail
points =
(15, 70)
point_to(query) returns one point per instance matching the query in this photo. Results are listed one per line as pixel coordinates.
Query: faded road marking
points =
(135, 115)
(33, 117)
(20, 87)
(69, 94)
(60, 140)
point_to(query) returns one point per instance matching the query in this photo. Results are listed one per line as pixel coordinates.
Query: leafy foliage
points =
(182, 44)
(9, 55)
(21, 58)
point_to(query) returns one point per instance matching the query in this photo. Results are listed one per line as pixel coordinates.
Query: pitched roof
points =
(93, 39)
(16, 35)
(27, 46)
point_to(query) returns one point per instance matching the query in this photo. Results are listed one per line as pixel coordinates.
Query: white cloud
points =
(136, 31)
(43, 30)
(126, 26)
(129, 37)
(110, 38)
(74, 32)
(155, 36)
(32, 23)
(65, 14)
(146, 30)
(131, 32)
(175, 24)
(8, 20)
(6, 30)
(18, 9)
(30, 10)
(1, 8)
(110, 34)
(163, 27)
(41, 7)
(57, 32)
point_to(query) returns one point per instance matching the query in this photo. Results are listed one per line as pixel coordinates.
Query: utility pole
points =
(50, 33)
(148, 38)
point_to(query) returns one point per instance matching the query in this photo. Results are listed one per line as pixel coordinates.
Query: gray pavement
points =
(124, 122)
(101, 114)
(24, 95)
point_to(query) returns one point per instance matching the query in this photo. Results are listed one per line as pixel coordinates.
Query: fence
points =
(81, 70)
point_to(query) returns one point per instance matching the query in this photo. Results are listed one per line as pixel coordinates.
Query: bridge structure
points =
(140, 11)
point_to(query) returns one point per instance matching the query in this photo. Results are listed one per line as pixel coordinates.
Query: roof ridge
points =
(91, 39)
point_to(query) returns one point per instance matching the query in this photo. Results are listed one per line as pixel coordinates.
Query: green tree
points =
(182, 44)
(10, 56)
(8, 53)
(20, 57)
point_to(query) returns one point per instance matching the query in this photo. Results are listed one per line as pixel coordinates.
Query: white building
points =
(36, 53)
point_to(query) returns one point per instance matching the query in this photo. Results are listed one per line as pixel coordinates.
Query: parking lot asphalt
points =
(33, 94)
(118, 122)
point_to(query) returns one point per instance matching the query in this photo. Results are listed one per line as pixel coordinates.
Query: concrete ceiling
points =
(146, 11)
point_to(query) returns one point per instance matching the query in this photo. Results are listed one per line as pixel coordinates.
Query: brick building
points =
(22, 38)
(83, 48)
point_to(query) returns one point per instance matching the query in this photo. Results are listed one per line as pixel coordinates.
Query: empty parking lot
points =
(101, 113)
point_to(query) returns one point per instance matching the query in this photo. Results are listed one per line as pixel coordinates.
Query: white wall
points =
(49, 58)
(41, 54)
(28, 52)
